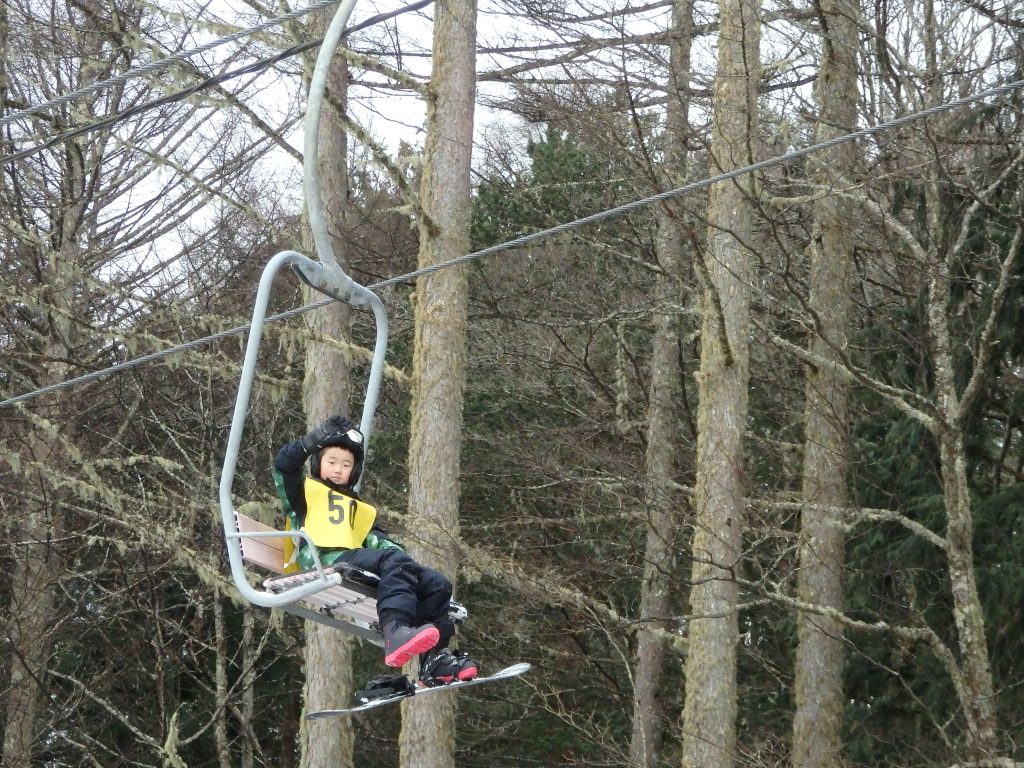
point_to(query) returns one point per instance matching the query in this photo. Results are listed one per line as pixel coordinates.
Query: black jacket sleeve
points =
(289, 477)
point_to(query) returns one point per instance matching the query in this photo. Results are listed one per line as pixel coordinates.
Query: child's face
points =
(336, 464)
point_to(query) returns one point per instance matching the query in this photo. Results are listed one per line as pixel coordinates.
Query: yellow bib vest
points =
(335, 520)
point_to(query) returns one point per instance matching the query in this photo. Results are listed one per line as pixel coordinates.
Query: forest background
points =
(740, 473)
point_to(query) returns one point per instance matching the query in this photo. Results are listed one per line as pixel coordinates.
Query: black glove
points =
(336, 426)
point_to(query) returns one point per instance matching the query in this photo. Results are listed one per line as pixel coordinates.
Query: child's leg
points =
(440, 665)
(405, 635)
(399, 579)
(434, 593)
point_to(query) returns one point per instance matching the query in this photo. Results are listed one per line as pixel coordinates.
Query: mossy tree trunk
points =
(817, 739)
(38, 562)
(37, 567)
(661, 504)
(978, 702)
(439, 357)
(326, 392)
(34, 529)
(709, 712)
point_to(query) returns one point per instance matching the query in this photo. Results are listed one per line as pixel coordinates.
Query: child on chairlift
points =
(412, 600)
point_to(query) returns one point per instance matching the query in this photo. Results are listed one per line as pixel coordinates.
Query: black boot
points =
(402, 642)
(444, 666)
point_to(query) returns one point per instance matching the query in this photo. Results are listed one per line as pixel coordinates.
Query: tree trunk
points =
(36, 567)
(220, 728)
(439, 358)
(819, 657)
(979, 708)
(248, 707)
(709, 712)
(662, 520)
(4, 84)
(662, 438)
(329, 681)
(37, 562)
(968, 614)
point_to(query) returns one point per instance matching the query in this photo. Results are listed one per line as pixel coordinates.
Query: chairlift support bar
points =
(327, 277)
(311, 143)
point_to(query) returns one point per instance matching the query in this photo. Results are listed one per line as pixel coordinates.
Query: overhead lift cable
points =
(594, 218)
(171, 98)
(156, 66)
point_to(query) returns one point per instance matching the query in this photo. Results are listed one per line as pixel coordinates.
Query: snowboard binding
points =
(387, 686)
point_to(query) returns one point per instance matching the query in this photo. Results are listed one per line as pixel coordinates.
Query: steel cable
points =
(772, 162)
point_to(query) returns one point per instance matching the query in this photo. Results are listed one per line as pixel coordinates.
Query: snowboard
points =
(403, 688)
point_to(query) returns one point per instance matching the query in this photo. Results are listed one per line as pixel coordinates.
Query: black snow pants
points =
(407, 590)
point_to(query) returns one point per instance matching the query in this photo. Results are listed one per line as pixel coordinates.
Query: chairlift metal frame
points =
(327, 277)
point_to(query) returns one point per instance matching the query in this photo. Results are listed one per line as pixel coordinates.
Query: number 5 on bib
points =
(335, 520)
